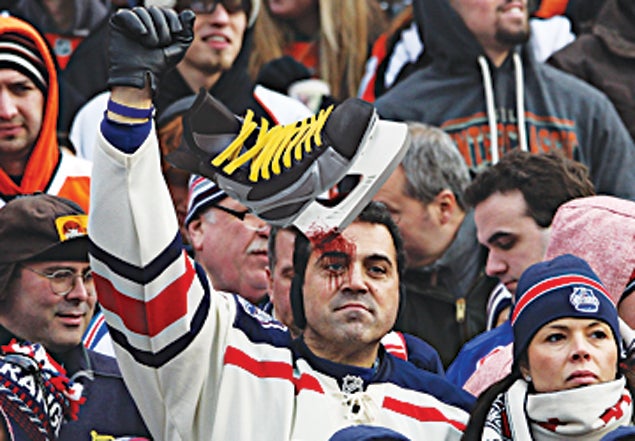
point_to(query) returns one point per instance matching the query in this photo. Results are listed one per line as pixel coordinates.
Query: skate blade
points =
(381, 155)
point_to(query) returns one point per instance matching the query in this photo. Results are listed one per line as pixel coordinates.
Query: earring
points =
(528, 378)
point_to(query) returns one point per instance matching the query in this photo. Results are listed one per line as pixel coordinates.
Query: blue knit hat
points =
(367, 433)
(563, 287)
(202, 194)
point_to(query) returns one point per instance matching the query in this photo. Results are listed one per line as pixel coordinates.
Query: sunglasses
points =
(209, 6)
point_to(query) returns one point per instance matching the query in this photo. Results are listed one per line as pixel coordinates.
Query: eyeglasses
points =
(237, 214)
(209, 6)
(63, 280)
(247, 216)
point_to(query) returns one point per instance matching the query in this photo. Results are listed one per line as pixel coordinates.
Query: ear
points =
(269, 277)
(524, 369)
(297, 301)
(195, 233)
(447, 205)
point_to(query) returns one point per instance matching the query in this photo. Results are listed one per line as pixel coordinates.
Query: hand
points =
(145, 43)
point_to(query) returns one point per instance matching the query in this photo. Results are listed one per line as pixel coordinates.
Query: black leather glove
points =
(145, 43)
(280, 73)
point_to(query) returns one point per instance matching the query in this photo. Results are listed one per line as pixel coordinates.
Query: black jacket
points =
(446, 301)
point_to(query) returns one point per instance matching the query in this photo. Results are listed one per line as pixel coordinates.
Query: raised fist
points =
(145, 43)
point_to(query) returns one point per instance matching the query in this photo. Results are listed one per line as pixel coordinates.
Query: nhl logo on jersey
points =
(584, 300)
(352, 384)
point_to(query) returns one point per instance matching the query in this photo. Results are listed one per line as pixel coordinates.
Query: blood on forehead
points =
(327, 241)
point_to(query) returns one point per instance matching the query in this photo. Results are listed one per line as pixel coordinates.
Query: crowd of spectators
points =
(482, 289)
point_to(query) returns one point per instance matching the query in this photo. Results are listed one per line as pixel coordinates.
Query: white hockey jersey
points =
(207, 365)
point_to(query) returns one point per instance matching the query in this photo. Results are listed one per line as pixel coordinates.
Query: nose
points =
(579, 348)
(355, 283)
(495, 266)
(258, 225)
(81, 290)
(219, 14)
(8, 108)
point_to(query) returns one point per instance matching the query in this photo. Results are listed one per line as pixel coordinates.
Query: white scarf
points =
(586, 413)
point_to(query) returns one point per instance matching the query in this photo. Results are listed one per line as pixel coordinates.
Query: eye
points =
(22, 88)
(505, 243)
(554, 337)
(335, 267)
(599, 334)
(287, 273)
(377, 270)
(88, 276)
(335, 264)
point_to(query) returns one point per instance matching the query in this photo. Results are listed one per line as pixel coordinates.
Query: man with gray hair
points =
(447, 289)
(216, 222)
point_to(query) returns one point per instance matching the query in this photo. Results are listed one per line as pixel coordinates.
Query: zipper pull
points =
(460, 310)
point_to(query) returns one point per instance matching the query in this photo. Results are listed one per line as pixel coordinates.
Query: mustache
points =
(258, 245)
(343, 300)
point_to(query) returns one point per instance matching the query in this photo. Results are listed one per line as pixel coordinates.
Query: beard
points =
(510, 37)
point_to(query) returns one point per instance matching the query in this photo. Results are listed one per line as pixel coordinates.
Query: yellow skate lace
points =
(94, 436)
(272, 145)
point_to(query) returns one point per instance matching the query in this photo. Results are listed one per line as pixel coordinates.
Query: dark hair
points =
(546, 181)
(474, 429)
(271, 242)
(373, 213)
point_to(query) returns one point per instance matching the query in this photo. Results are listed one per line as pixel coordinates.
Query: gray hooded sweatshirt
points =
(524, 103)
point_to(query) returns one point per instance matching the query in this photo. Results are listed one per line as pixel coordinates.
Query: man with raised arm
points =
(204, 364)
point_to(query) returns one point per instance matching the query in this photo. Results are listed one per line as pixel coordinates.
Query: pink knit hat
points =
(600, 230)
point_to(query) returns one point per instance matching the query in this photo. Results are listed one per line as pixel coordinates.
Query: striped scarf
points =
(586, 413)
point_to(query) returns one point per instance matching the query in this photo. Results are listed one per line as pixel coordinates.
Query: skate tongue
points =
(208, 128)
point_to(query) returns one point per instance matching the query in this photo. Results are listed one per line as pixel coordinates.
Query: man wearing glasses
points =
(217, 222)
(214, 60)
(47, 296)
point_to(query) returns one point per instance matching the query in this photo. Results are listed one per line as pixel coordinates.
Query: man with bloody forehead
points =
(192, 355)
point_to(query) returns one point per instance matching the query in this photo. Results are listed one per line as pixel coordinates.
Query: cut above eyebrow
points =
(370, 258)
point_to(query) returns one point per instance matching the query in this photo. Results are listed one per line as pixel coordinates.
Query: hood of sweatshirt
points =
(456, 53)
(45, 153)
(446, 37)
